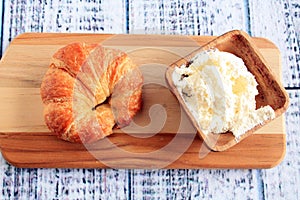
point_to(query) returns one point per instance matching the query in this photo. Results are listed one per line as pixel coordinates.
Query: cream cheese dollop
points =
(219, 92)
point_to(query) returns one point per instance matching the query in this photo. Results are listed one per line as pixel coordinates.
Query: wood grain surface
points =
(26, 141)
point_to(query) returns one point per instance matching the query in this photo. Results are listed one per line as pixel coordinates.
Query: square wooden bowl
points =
(270, 90)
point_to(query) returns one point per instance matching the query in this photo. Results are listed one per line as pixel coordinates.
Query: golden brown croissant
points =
(88, 89)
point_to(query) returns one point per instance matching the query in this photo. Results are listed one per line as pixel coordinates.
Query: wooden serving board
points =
(162, 137)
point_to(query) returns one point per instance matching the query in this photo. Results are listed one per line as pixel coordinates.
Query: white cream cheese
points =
(220, 93)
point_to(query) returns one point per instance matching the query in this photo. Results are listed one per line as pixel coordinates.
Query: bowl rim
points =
(211, 139)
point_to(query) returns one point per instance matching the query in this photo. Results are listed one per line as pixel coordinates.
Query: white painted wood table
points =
(277, 20)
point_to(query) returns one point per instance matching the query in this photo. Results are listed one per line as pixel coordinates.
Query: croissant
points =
(87, 90)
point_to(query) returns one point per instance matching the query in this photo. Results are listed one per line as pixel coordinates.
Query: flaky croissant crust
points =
(87, 90)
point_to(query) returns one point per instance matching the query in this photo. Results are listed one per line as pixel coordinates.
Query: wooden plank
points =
(286, 177)
(22, 95)
(283, 181)
(64, 183)
(68, 17)
(285, 23)
(195, 184)
(32, 151)
(192, 17)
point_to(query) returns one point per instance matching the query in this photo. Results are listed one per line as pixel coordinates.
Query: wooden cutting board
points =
(161, 135)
